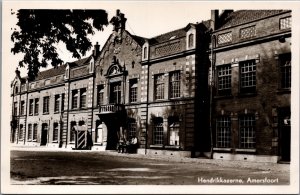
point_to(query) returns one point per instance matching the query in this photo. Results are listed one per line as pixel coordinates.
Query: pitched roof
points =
(244, 16)
(59, 70)
(80, 62)
(166, 36)
(51, 72)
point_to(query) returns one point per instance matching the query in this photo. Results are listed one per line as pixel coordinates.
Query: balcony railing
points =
(111, 108)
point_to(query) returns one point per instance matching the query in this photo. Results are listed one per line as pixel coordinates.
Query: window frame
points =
(159, 82)
(175, 85)
(36, 106)
(248, 74)
(243, 124)
(133, 90)
(83, 99)
(223, 125)
(75, 97)
(31, 110)
(224, 79)
(56, 103)
(100, 95)
(46, 104)
(158, 131)
(30, 132)
(285, 71)
(55, 132)
(35, 131)
(15, 108)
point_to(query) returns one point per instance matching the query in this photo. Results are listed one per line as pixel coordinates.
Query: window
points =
(174, 131)
(225, 38)
(159, 86)
(72, 133)
(247, 131)
(46, 105)
(32, 85)
(175, 84)
(248, 76)
(83, 98)
(62, 102)
(16, 89)
(224, 79)
(31, 107)
(15, 108)
(145, 52)
(285, 23)
(74, 98)
(56, 104)
(35, 126)
(100, 96)
(131, 128)
(115, 94)
(223, 132)
(158, 131)
(285, 69)
(29, 135)
(191, 40)
(133, 90)
(36, 106)
(22, 107)
(248, 32)
(21, 132)
(55, 132)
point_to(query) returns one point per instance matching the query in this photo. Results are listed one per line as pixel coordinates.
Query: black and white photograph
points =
(150, 97)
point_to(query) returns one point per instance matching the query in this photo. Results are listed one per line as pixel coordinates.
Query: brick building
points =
(158, 90)
(252, 76)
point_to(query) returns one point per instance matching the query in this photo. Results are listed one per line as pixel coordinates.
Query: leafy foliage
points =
(41, 30)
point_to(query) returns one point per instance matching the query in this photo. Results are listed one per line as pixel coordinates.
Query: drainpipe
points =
(211, 94)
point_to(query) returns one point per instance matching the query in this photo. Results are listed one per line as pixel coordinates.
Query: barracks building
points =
(220, 88)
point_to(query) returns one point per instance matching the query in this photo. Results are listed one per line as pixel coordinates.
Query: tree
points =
(40, 31)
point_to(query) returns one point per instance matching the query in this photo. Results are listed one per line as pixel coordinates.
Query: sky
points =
(146, 19)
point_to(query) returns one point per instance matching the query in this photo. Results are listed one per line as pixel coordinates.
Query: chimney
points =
(214, 19)
(18, 73)
(96, 50)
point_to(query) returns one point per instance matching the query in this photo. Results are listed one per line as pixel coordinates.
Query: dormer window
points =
(191, 40)
(145, 52)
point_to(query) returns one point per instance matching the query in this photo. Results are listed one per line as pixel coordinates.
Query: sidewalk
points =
(221, 163)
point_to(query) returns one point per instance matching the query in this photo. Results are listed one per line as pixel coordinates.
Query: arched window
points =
(191, 40)
(145, 52)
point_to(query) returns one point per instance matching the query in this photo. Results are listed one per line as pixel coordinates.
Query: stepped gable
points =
(244, 16)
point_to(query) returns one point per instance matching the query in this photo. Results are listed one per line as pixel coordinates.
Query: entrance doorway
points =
(285, 134)
(44, 136)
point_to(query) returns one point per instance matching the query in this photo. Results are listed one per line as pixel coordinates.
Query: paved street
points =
(89, 167)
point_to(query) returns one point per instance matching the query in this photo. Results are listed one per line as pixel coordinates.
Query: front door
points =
(44, 135)
(285, 134)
